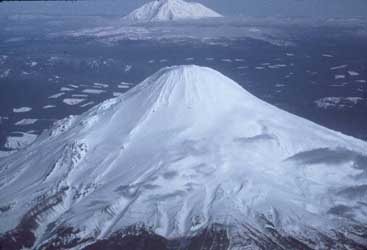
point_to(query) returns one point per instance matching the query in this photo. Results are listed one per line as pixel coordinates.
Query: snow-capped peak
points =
(165, 10)
(186, 149)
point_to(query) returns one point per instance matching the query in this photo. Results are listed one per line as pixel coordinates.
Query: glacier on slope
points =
(166, 10)
(186, 149)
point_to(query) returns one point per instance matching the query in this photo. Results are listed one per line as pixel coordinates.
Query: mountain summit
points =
(186, 150)
(165, 10)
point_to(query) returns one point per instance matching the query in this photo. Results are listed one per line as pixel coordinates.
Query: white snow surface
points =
(22, 109)
(49, 106)
(26, 121)
(353, 73)
(93, 91)
(73, 101)
(338, 102)
(55, 96)
(186, 148)
(5, 73)
(209, 31)
(19, 142)
(5, 153)
(167, 10)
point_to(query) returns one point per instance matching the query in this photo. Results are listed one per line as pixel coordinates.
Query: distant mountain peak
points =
(166, 10)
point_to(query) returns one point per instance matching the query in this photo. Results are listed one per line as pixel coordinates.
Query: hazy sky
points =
(313, 8)
(308, 8)
(317, 8)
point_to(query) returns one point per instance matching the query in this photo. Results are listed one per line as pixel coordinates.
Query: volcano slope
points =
(187, 159)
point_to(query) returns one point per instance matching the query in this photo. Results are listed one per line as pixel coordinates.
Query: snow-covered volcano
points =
(187, 149)
(165, 10)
